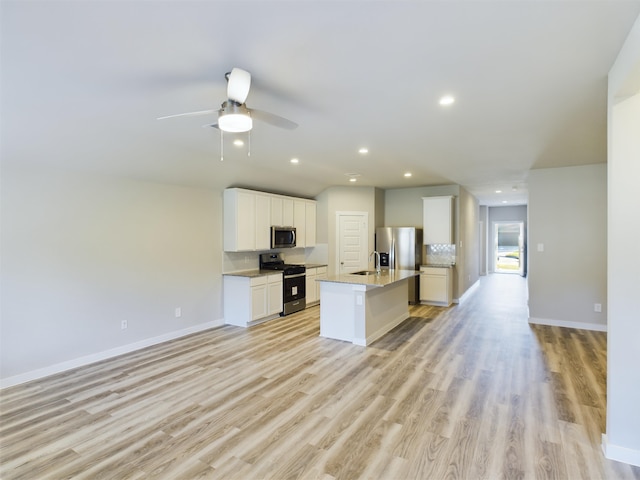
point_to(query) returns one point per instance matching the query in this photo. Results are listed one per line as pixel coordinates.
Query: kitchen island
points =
(360, 308)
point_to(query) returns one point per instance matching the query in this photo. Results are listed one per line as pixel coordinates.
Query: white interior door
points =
(352, 241)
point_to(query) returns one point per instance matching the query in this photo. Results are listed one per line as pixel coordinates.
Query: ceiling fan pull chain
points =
(249, 149)
(221, 146)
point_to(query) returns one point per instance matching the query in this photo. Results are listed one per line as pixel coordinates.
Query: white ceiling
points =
(83, 83)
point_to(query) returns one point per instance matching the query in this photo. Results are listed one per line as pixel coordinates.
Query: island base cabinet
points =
(361, 314)
(337, 312)
(436, 286)
(252, 300)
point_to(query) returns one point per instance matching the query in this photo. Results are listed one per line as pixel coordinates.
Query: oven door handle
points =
(295, 276)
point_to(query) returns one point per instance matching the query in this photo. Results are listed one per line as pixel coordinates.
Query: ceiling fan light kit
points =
(234, 118)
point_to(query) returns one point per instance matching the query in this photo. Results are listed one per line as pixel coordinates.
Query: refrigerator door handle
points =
(392, 253)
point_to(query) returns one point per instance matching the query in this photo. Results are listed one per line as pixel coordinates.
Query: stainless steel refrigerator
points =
(401, 248)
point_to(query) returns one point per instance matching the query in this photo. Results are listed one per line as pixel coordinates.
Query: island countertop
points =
(382, 279)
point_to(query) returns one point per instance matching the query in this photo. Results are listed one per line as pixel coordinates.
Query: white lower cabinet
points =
(274, 294)
(258, 299)
(436, 286)
(321, 274)
(311, 297)
(251, 300)
(313, 286)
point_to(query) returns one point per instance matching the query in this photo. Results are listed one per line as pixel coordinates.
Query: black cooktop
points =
(273, 261)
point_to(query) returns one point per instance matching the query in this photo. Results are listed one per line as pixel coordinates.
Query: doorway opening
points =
(509, 247)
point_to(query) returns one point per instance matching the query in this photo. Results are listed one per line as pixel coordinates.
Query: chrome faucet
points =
(376, 260)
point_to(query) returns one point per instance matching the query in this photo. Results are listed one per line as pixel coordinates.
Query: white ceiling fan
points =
(234, 116)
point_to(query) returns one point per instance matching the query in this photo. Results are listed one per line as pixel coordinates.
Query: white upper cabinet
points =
(287, 212)
(249, 215)
(276, 211)
(263, 222)
(310, 224)
(300, 222)
(239, 220)
(437, 220)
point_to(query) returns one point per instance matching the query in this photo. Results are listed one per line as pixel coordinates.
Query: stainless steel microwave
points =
(283, 237)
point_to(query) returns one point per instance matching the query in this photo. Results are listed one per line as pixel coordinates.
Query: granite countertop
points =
(436, 265)
(385, 277)
(252, 273)
(260, 273)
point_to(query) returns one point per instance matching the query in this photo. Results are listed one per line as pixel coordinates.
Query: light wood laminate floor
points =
(466, 392)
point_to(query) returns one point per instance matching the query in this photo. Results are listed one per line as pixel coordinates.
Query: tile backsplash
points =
(239, 261)
(441, 254)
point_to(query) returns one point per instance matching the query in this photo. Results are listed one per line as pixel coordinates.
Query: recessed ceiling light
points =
(294, 161)
(447, 100)
(498, 191)
(504, 201)
(238, 143)
(407, 174)
(363, 150)
(353, 179)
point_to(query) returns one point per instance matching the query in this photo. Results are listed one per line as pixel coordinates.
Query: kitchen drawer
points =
(277, 278)
(437, 271)
(255, 281)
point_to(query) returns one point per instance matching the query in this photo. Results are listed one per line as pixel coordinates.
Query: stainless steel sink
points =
(368, 272)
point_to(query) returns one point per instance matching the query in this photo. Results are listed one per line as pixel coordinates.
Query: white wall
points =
(622, 440)
(81, 253)
(468, 248)
(567, 214)
(352, 199)
(484, 238)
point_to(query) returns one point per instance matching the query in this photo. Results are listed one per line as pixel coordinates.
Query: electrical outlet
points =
(178, 312)
(123, 325)
(597, 307)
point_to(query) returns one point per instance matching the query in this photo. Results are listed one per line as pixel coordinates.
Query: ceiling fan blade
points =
(201, 112)
(273, 119)
(239, 82)
(214, 125)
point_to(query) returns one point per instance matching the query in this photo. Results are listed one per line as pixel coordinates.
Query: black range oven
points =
(293, 281)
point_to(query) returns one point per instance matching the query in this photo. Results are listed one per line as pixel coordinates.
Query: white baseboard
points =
(566, 324)
(620, 454)
(97, 357)
(465, 296)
